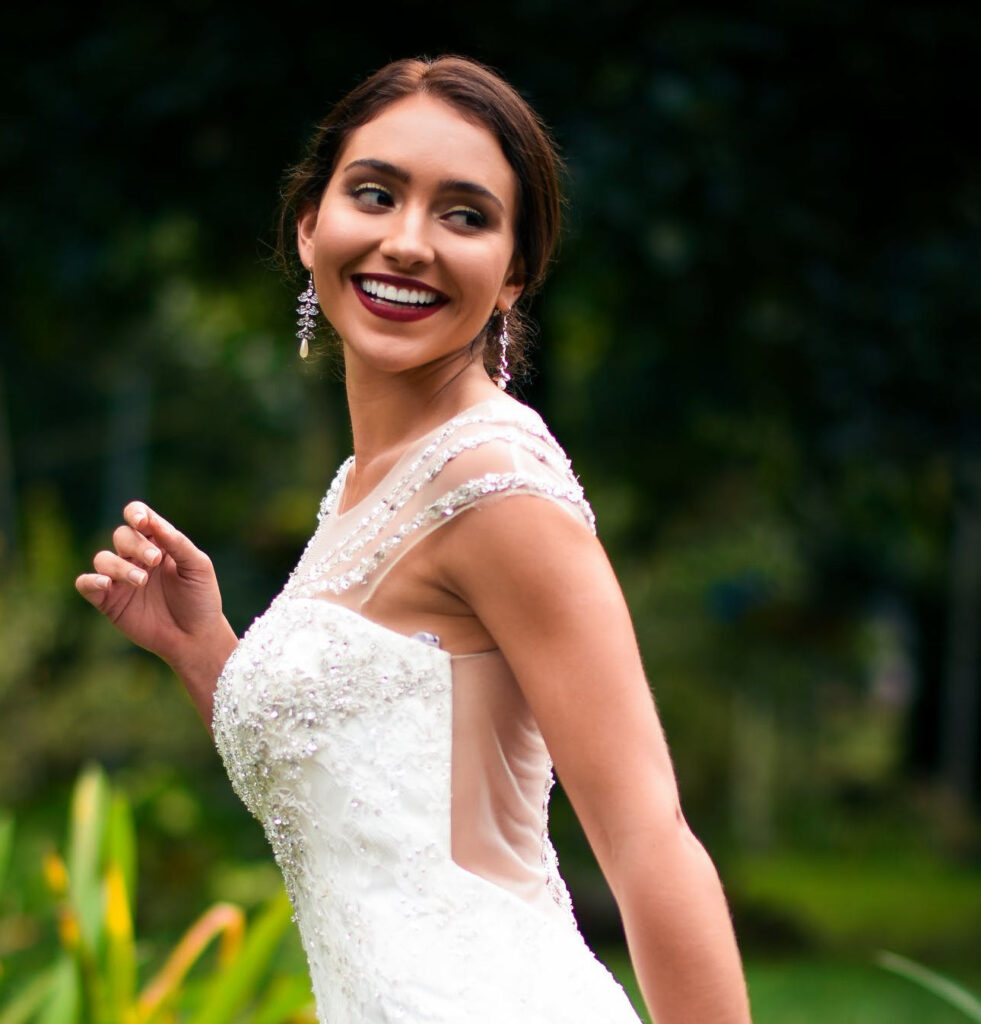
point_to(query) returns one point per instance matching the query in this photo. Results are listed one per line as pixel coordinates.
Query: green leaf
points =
(238, 981)
(120, 963)
(285, 998)
(89, 808)
(121, 843)
(64, 1005)
(30, 998)
(6, 844)
(949, 991)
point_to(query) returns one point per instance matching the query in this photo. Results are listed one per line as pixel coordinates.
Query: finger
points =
(138, 515)
(119, 569)
(152, 525)
(167, 537)
(93, 586)
(132, 544)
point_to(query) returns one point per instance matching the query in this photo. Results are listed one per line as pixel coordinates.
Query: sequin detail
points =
(529, 423)
(337, 733)
(550, 862)
(318, 575)
(529, 434)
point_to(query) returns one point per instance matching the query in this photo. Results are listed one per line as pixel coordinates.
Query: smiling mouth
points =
(398, 294)
(396, 298)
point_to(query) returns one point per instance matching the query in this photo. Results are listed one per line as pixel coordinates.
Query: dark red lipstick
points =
(393, 308)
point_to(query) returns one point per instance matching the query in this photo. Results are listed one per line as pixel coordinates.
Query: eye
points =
(466, 216)
(372, 194)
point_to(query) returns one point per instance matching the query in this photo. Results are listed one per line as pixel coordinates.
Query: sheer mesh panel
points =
(501, 771)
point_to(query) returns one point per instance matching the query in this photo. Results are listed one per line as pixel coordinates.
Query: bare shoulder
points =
(527, 546)
(540, 582)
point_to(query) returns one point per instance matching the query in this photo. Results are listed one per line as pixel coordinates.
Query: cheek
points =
(482, 268)
(339, 235)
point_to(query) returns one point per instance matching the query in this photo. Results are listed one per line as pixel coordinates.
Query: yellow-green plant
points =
(6, 842)
(95, 977)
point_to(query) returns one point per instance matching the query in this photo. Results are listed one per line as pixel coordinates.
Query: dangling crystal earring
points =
(306, 325)
(502, 363)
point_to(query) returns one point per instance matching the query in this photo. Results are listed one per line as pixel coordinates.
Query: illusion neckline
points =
(411, 448)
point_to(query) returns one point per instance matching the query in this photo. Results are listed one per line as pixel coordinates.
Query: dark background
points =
(760, 345)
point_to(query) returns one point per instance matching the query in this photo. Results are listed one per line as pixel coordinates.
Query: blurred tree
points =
(760, 343)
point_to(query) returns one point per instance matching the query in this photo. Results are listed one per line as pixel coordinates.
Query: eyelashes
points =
(467, 216)
(373, 195)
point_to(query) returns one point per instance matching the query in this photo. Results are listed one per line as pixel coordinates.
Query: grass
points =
(822, 992)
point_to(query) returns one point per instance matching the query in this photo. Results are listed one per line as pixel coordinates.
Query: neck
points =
(390, 411)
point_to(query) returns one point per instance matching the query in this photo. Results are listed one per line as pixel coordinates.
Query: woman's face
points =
(412, 245)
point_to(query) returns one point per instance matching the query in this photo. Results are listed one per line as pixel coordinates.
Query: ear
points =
(514, 285)
(306, 226)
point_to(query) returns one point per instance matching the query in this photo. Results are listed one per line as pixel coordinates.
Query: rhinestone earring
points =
(306, 324)
(502, 363)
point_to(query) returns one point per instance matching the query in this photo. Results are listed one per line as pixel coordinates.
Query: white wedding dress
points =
(405, 790)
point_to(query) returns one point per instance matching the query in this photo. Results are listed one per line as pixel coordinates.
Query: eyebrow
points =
(447, 184)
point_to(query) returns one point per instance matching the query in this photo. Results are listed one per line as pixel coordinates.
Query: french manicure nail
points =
(103, 582)
(136, 576)
(151, 555)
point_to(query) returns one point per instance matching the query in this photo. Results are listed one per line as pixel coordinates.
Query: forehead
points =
(432, 140)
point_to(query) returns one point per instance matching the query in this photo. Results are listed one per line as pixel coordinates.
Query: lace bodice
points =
(404, 790)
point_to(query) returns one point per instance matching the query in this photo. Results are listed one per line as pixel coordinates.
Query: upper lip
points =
(401, 282)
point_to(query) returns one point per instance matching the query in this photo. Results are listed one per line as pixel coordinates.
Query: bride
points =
(453, 627)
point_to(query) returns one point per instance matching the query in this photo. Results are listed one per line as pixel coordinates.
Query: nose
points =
(407, 242)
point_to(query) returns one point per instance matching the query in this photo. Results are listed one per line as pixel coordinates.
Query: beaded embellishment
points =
(337, 733)
(530, 435)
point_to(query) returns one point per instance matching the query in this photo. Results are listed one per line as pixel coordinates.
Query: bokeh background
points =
(759, 344)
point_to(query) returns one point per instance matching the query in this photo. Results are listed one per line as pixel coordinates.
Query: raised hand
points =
(162, 593)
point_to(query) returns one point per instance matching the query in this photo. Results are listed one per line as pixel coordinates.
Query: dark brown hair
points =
(482, 96)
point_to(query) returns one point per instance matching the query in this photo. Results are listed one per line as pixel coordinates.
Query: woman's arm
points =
(543, 587)
(161, 592)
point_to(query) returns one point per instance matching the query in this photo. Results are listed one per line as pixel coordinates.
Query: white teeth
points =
(388, 292)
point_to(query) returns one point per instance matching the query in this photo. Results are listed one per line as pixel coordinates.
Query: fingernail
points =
(136, 576)
(103, 582)
(140, 518)
(151, 555)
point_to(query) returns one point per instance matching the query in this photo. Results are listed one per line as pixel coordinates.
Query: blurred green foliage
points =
(813, 991)
(944, 988)
(93, 978)
(760, 346)
(853, 904)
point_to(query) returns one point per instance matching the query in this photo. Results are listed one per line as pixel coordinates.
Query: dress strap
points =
(478, 456)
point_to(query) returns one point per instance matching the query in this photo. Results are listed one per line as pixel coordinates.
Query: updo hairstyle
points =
(484, 98)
